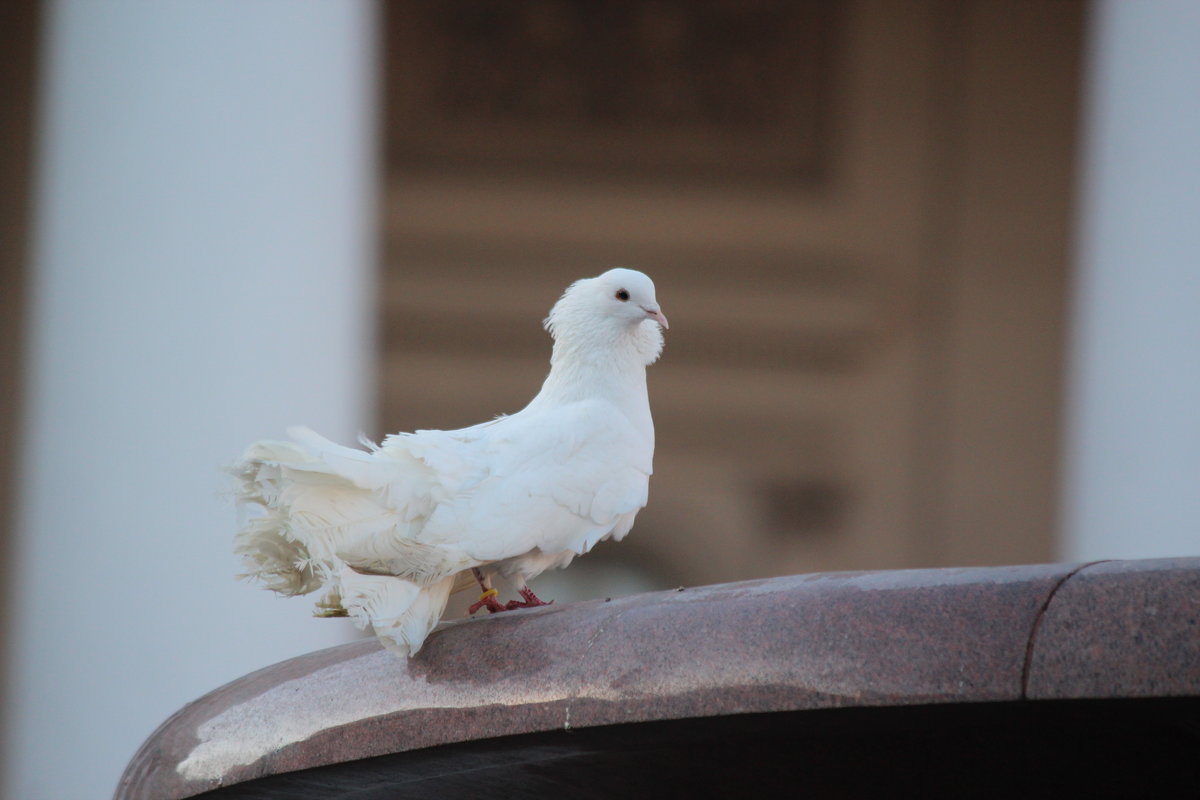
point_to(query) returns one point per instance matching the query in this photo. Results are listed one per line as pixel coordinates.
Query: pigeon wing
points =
(557, 480)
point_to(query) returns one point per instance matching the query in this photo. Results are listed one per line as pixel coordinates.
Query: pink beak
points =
(655, 313)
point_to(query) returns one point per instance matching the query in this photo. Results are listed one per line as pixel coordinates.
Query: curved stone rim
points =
(835, 640)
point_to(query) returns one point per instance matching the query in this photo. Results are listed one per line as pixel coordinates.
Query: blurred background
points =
(931, 269)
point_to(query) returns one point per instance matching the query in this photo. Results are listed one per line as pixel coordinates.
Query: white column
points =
(203, 259)
(1132, 479)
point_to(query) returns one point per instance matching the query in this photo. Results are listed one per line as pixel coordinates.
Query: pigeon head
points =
(618, 307)
(629, 296)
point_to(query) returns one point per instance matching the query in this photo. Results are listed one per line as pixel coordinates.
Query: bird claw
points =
(531, 601)
(487, 600)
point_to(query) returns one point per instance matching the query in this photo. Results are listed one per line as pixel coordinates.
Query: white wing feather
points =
(558, 481)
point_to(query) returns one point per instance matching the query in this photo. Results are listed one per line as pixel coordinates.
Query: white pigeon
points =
(391, 531)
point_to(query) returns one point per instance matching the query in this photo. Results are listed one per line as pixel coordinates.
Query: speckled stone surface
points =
(833, 640)
(1121, 629)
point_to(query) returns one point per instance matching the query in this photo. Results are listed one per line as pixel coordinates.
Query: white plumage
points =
(391, 531)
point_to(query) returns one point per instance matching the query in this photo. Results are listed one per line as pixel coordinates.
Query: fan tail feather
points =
(401, 612)
(395, 553)
(298, 509)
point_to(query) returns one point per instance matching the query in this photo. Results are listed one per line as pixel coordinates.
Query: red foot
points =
(487, 600)
(531, 600)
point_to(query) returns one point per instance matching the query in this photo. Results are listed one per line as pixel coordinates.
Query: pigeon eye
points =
(622, 295)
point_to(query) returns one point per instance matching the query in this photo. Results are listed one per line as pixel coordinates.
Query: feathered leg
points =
(488, 598)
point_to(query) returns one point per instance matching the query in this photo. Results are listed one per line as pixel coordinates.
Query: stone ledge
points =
(806, 642)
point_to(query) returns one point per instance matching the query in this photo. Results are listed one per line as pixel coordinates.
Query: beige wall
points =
(863, 369)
